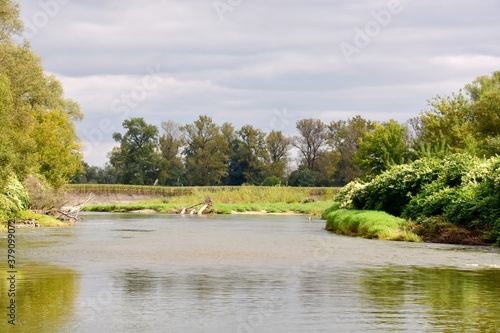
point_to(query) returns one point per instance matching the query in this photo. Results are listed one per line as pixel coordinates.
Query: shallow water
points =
(243, 273)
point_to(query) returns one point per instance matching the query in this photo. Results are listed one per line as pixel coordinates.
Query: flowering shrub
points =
(462, 189)
(13, 198)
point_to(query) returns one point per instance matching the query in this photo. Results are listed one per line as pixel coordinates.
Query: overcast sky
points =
(265, 63)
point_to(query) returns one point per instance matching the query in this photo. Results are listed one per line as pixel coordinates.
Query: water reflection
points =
(443, 299)
(45, 298)
(235, 275)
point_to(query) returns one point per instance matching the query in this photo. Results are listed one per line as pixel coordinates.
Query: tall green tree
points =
(10, 24)
(206, 152)
(172, 168)
(484, 93)
(136, 159)
(387, 145)
(249, 157)
(58, 151)
(33, 107)
(448, 122)
(278, 146)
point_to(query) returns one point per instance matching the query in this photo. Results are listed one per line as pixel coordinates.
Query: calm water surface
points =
(243, 273)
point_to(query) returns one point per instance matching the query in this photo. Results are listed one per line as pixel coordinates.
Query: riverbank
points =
(227, 200)
(173, 200)
(314, 208)
(381, 225)
(29, 219)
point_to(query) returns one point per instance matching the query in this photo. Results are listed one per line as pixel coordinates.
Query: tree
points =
(277, 145)
(303, 177)
(385, 146)
(206, 152)
(10, 24)
(172, 168)
(32, 103)
(249, 157)
(343, 138)
(484, 93)
(136, 158)
(448, 122)
(57, 148)
(311, 141)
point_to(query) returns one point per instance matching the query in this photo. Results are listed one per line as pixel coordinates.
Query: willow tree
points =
(37, 120)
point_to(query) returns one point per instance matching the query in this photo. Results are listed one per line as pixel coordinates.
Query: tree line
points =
(328, 154)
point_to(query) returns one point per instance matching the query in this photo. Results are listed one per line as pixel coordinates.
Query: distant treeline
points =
(204, 153)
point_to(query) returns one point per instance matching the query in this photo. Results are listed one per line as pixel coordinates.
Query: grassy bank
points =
(368, 224)
(41, 220)
(315, 208)
(235, 199)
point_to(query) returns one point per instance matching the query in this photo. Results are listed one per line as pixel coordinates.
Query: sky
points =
(264, 63)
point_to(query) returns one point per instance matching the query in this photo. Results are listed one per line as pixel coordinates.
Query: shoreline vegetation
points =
(453, 200)
(227, 200)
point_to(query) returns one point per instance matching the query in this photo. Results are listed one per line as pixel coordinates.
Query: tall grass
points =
(369, 224)
(239, 199)
(220, 194)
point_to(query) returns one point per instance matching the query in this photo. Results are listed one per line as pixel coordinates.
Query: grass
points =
(42, 220)
(315, 208)
(368, 224)
(221, 193)
(238, 199)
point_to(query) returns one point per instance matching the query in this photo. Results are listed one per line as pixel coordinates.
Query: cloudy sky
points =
(265, 63)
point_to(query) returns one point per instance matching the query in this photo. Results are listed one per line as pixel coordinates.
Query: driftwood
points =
(63, 216)
(207, 204)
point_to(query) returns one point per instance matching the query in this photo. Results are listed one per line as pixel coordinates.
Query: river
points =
(242, 273)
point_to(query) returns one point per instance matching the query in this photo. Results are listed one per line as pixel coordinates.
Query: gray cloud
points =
(263, 58)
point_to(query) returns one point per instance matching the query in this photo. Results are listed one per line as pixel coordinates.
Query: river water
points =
(243, 273)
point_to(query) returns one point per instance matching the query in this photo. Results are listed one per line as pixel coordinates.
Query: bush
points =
(460, 189)
(13, 199)
(271, 181)
(347, 193)
(392, 190)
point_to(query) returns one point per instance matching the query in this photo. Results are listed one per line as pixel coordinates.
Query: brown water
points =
(243, 273)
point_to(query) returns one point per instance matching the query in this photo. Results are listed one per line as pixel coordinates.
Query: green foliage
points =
(303, 177)
(271, 181)
(347, 193)
(392, 190)
(13, 198)
(330, 209)
(10, 23)
(344, 138)
(37, 133)
(248, 157)
(206, 152)
(462, 189)
(449, 122)
(387, 145)
(58, 153)
(136, 159)
(277, 145)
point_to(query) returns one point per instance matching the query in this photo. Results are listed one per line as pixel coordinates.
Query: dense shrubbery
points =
(13, 199)
(461, 189)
